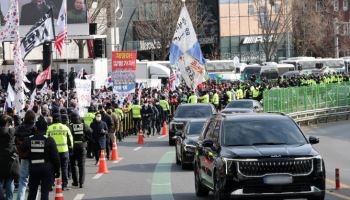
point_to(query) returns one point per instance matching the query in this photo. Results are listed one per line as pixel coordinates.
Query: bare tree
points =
(159, 23)
(313, 27)
(275, 20)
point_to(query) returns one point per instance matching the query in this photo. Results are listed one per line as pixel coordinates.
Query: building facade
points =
(241, 33)
(141, 14)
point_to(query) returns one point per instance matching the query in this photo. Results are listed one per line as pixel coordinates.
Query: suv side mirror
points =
(208, 143)
(314, 140)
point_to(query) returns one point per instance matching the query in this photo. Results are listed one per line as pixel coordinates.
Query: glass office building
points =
(241, 35)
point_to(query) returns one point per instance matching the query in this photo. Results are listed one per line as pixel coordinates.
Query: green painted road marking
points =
(161, 181)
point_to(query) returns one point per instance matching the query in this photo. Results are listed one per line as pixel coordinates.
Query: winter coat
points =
(9, 163)
(99, 129)
(23, 132)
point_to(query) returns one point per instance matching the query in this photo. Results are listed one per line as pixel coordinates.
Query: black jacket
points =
(7, 151)
(99, 129)
(109, 121)
(23, 132)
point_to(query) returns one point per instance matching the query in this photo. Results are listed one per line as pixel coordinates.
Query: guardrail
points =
(319, 115)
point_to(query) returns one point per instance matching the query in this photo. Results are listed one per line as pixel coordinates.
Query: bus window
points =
(248, 72)
(269, 74)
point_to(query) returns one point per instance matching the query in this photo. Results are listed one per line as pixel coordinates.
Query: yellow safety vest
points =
(119, 112)
(229, 95)
(136, 111)
(61, 134)
(89, 118)
(193, 99)
(215, 99)
(164, 104)
(205, 98)
(239, 94)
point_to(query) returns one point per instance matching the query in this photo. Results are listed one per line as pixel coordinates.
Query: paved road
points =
(149, 172)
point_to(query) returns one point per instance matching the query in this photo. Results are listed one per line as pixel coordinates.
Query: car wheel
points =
(219, 194)
(177, 157)
(201, 191)
(320, 197)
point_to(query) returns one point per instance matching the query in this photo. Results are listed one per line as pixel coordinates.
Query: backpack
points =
(19, 141)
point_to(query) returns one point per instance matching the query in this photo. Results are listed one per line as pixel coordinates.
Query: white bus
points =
(306, 63)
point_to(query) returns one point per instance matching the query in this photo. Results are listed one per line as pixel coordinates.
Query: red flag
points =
(43, 76)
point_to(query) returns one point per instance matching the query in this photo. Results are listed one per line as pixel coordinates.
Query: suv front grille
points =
(296, 167)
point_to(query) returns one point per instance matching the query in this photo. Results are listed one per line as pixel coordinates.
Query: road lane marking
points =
(137, 148)
(79, 197)
(161, 181)
(342, 185)
(163, 136)
(340, 196)
(97, 176)
(117, 161)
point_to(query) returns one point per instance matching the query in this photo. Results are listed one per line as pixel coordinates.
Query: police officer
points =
(64, 141)
(136, 116)
(216, 100)
(193, 99)
(88, 119)
(165, 106)
(44, 164)
(81, 134)
(205, 97)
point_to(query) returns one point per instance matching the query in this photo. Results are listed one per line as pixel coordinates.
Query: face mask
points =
(98, 119)
(146, 105)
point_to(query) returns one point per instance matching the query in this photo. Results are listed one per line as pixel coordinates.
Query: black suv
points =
(187, 112)
(257, 155)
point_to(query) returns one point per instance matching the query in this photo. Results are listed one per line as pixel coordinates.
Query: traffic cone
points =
(102, 167)
(59, 193)
(115, 155)
(141, 140)
(164, 129)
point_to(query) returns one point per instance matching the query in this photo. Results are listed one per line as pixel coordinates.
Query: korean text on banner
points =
(124, 77)
(83, 88)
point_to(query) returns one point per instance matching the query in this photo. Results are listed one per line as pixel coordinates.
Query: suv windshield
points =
(240, 104)
(195, 128)
(193, 112)
(261, 132)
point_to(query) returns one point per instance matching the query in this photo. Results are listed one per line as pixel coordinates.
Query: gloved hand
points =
(57, 174)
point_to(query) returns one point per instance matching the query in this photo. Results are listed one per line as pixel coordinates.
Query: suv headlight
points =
(318, 161)
(230, 164)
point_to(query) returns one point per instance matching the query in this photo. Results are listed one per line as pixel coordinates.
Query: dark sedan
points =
(186, 141)
(187, 112)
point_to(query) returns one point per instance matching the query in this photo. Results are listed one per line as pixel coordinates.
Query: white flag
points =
(10, 95)
(186, 52)
(10, 29)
